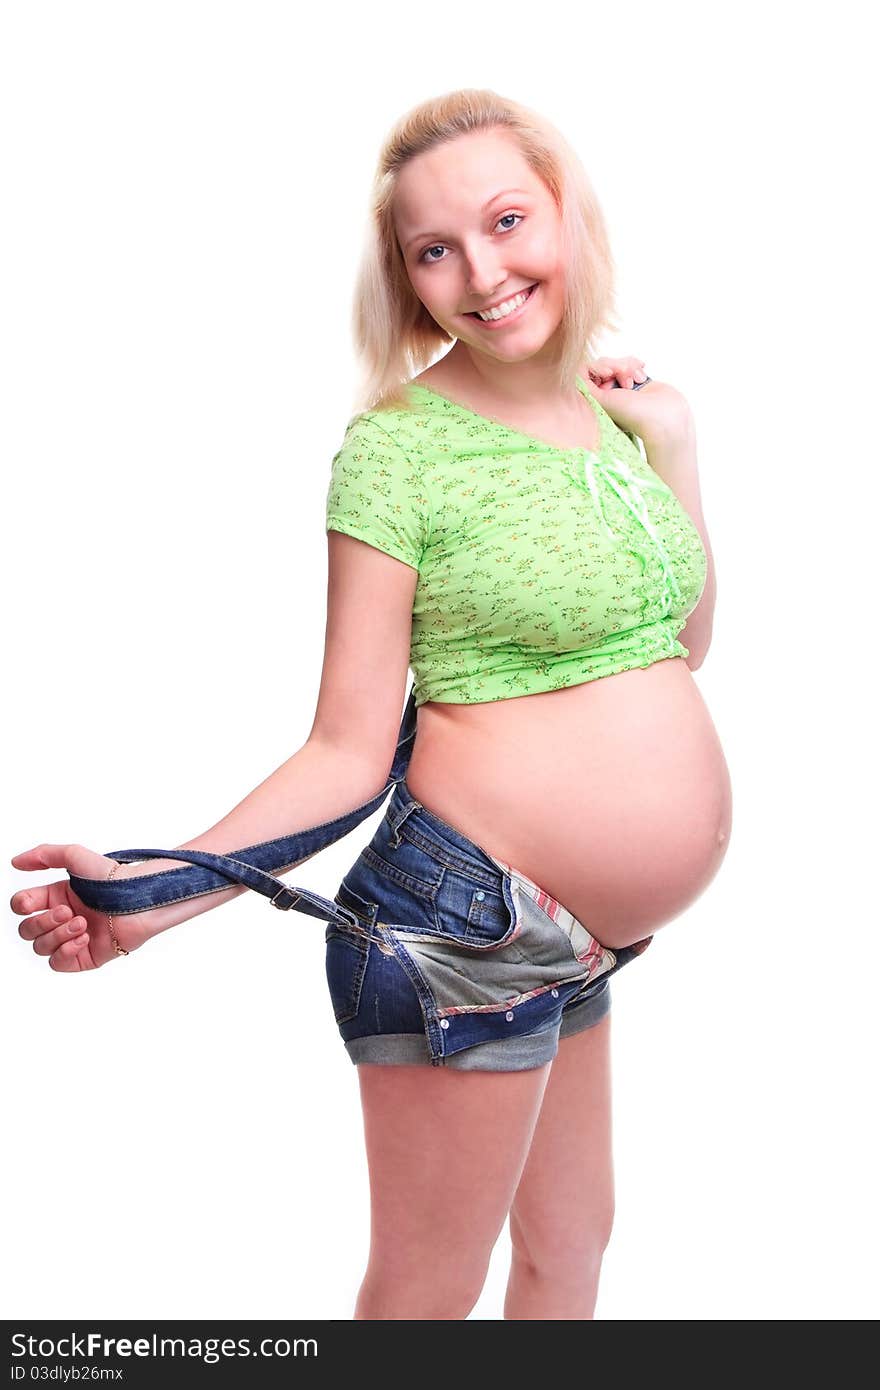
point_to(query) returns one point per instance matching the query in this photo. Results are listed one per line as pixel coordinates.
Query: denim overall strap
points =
(253, 866)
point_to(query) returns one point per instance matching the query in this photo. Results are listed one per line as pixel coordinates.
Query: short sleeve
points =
(376, 493)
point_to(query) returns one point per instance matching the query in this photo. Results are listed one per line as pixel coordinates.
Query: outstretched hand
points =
(73, 937)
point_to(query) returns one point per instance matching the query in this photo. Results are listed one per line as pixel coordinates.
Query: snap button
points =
(444, 1023)
(480, 896)
(555, 993)
(509, 1016)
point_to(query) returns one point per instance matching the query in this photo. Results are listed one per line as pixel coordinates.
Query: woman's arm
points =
(347, 757)
(344, 763)
(661, 417)
(672, 453)
(320, 782)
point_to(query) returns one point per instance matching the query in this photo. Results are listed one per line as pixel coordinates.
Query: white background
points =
(185, 188)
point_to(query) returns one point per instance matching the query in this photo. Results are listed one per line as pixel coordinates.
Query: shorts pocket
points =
(405, 889)
(408, 867)
(473, 914)
(345, 962)
(347, 954)
(434, 891)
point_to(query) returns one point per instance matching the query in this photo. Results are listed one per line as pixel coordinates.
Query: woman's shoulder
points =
(401, 416)
(385, 437)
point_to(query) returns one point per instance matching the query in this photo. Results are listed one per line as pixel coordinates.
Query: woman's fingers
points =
(53, 926)
(71, 955)
(42, 895)
(74, 937)
(42, 922)
(631, 370)
(623, 370)
(50, 930)
(603, 368)
(76, 859)
(628, 379)
(42, 857)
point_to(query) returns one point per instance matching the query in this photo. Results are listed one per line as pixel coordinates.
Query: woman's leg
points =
(445, 1150)
(563, 1209)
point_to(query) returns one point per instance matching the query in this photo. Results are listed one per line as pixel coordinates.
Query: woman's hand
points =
(617, 371)
(655, 412)
(73, 936)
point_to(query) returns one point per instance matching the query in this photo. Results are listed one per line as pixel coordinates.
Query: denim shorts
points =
(456, 958)
(436, 952)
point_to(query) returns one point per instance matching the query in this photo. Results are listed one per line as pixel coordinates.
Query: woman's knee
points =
(443, 1290)
(551, 1248)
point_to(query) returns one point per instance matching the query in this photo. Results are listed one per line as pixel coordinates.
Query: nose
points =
(484, 273)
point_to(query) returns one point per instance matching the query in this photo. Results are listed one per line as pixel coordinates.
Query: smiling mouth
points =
(475, 313)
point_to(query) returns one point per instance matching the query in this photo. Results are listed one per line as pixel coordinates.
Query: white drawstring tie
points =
(628, 486)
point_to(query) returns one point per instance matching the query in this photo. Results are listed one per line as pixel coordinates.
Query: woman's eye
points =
(433, 260)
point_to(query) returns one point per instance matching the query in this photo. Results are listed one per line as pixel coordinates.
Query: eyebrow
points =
(503, 193)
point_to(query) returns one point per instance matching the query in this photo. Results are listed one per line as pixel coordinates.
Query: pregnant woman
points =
(520, 524)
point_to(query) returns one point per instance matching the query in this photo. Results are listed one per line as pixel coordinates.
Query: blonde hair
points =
(395, 336)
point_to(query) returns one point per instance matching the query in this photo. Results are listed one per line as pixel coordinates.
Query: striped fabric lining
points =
(589, 951)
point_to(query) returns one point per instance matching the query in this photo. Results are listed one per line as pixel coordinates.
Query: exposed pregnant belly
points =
(613, 795)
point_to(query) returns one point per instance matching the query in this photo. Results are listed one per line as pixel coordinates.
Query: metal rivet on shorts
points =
(555, 993)
(480, 896)
(444, 1023)
(509, 1016)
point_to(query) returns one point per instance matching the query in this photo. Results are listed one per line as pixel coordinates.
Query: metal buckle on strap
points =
(294, 898)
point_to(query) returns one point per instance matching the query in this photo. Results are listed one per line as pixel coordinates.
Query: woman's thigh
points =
(563, 1207)
(445, 1151)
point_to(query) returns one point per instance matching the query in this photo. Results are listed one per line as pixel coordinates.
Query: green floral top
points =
(539, 567)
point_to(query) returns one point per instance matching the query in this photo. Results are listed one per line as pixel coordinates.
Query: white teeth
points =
(502, 310)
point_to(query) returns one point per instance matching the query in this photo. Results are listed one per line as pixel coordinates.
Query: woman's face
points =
(476, 227)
